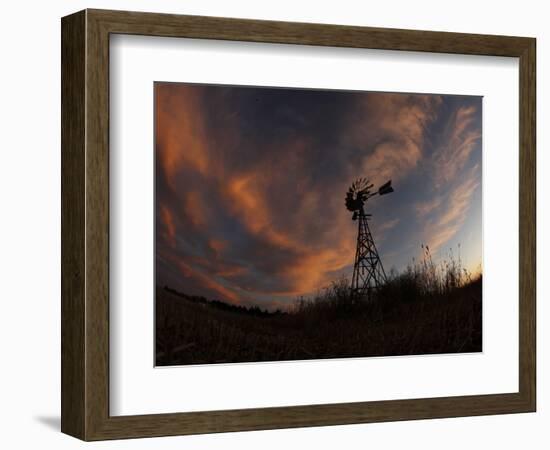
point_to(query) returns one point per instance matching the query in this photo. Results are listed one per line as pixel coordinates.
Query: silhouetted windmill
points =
(368, 272)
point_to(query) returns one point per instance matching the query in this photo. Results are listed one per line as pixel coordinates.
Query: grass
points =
(427, 309)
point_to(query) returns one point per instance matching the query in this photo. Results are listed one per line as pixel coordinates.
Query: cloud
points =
(217, 245)
(196, 208)
(180, 134)
(208, 282)
(168, 221)
(453, 184)
(452, 211)
(460, 140)
(426, 207)
(396, 123)
(388, 225)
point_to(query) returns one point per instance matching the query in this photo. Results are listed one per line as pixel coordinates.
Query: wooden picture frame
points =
(85, 224)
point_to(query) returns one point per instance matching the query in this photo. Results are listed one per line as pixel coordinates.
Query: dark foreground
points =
(404, 320)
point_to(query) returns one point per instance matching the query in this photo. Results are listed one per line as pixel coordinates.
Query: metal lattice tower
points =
(368, 271)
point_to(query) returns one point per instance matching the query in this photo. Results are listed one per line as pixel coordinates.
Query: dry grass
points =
(427, 309)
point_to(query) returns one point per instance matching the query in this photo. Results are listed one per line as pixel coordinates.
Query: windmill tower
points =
(368, 271)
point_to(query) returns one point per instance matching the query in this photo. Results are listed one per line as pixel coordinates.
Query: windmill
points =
(368, 271)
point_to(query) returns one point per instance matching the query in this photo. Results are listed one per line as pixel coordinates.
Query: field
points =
(425, 310)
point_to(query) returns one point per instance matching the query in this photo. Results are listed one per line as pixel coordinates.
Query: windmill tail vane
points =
(385, 188)
(368, 271)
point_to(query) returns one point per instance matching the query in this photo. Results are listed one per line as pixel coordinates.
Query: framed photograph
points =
(272, 225)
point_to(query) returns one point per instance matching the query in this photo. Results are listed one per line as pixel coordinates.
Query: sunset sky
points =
(250, 185)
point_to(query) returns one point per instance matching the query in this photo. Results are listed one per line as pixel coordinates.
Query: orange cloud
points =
(180, 136)
(424, 208)
(251, 206)
(217, 245)
(196, 208)
(209, 282)
(168, 221)
(215, 266)
(315, 269)
(314, 265)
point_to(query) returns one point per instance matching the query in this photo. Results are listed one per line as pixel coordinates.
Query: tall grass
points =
(422, 279)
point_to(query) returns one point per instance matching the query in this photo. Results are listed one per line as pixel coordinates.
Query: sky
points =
(250, 185)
